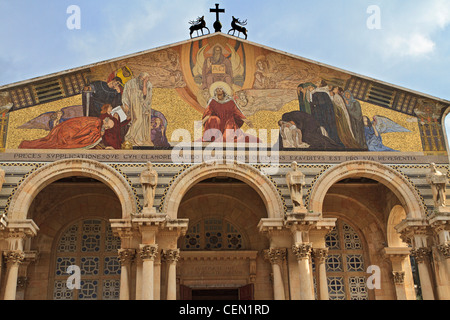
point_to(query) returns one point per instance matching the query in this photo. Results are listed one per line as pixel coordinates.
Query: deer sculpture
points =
(197, 25)
(237, 25)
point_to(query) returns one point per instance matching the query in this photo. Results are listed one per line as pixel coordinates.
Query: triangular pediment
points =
(266, 84)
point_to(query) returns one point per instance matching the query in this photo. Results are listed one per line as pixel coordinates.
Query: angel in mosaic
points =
(374, 129)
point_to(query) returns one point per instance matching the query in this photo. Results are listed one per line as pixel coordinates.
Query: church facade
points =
(217, 168)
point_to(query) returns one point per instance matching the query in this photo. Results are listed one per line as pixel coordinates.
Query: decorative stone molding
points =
(302, 250)
(394, 180)
(421, 254)
(126, 256)
(275, 255)
(148, 251)
(244, 172)
(45, 175)
(399, 277)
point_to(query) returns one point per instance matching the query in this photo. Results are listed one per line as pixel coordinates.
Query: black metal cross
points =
(217, 25)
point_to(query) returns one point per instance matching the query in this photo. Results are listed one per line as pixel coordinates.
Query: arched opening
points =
(367, 212)
(220, 252)
(387, 177)
(242, 172)
(87, 169)
(73, 216)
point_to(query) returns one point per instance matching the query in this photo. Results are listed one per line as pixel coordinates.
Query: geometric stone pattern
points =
(345, 264)
(89, 245)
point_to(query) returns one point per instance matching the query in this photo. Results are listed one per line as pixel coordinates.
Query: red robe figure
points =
(222, 114)
(112, 137)
(74, 133)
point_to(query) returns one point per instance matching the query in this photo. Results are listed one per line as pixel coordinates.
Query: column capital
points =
(275, 255)
(302, 250)
(421, 254)
(444, 249)
(14, 256)
(171, 255)
(148, 251)
(126, 256)
(320, 254)
(399, 277)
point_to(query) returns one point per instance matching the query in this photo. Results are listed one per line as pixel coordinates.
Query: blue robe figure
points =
(373, 131)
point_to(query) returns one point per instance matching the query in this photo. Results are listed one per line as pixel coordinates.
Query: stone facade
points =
(90, 221)
(274, 248)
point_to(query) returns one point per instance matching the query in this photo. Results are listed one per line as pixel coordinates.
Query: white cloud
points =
(411, 30)
(413, 45)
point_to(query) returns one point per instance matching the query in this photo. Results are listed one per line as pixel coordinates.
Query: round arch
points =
(405, 192)
(39, 179)
(396, 216)
(243, 172)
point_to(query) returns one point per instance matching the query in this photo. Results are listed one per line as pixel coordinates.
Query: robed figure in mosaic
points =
(222, 116)
(137, 104)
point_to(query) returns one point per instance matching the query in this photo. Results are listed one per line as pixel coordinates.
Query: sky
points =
(405, 43)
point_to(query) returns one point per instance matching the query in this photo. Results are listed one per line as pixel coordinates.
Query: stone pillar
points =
(303, 253)
(277, 256)
(422, 255)
(401, 272)
(320, 258)
(440, 225)
(126, 256)
(148, 253)
(13, 259)
(171, 257)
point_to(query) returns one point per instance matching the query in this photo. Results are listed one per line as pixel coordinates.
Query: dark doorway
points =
(215, 294)
(242, 293)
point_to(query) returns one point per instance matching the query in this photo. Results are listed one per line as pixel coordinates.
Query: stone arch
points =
(403, 190)
(246, 173)
(396, 215)
(39, 179)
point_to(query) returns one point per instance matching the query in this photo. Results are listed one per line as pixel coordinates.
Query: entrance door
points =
(242, 293)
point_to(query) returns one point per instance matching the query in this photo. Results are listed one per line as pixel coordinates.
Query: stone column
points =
(148, 253)
(401, 272)
(320, 258)
(13, 259)
(276, 256)
(126, 256)
(422, 255)
(171, 257)
(303, 253)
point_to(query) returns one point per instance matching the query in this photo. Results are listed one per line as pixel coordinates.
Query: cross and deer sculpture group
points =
(200, 24)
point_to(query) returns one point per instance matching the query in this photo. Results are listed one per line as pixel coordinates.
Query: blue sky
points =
(410, 49)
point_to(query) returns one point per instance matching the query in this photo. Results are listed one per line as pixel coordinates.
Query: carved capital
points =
(302, 250)
(126, 256)
(399, 277)
(14, 257)
(444, 249)
(22, 282)
(148, 251)
(421, 254)
(171, 256)
(275, 255)
(320, 255)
